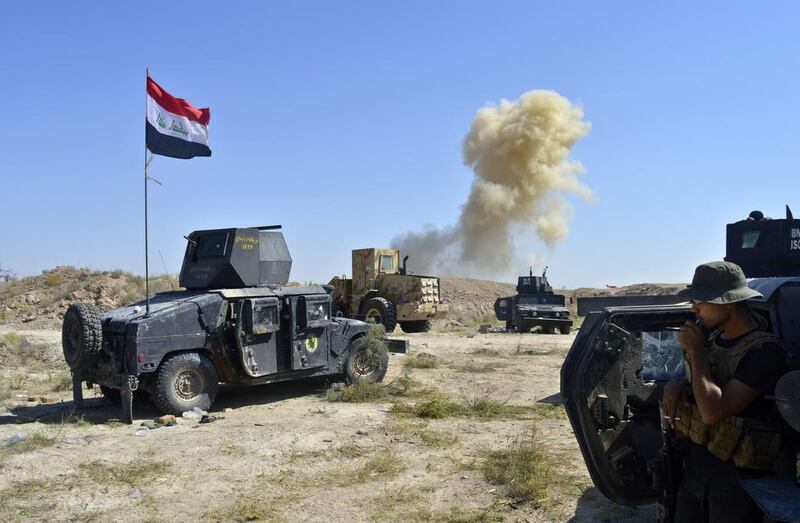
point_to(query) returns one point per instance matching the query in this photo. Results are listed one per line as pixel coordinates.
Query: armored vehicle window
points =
(750, 239)
(387, 262)
(213, 245)
(662, 356)
(317, 312)
(265, 314)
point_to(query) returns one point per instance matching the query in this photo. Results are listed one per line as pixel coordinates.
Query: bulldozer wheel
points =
(381, 311)
(416, 326)
(81, 336)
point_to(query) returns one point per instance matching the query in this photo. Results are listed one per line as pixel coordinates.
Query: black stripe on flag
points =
(164, 145)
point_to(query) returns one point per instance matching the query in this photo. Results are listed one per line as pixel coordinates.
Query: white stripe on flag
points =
(171, 124)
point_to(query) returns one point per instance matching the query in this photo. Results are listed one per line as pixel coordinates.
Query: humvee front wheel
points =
(367, 361)
(381, 310)
(416, 326)
(185, 381)
(81, 336)
(564, 329)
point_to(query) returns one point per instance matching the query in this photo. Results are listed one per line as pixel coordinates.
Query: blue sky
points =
(343, 122)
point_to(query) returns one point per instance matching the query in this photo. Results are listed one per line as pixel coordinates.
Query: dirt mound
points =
(40, 301)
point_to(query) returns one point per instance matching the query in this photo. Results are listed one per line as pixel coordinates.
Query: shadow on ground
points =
(594, 507)
(99, 410)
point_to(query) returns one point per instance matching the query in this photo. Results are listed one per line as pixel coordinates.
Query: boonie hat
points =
(719, 282)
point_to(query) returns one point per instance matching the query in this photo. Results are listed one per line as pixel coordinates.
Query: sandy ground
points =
(286, 453)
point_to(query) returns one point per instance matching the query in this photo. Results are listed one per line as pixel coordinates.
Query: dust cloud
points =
(518, 152)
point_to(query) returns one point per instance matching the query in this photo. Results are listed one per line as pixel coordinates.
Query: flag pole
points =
(146, 264)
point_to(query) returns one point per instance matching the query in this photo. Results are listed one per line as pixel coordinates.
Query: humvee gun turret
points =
(236, 322)
(535, 305)
(383, 292)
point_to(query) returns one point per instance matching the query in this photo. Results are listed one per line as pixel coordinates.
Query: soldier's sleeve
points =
(761, 367)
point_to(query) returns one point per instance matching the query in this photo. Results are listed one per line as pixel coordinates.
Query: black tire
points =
(382, 311)
(81, 336)
(548, 330)
(415, 326)
(185, 381)
(564, 329)
(509, 327)
(368, 361)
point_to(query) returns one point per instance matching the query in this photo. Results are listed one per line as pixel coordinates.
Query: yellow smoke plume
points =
(519, 154)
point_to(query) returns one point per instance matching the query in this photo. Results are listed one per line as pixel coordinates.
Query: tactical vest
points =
(751, 443)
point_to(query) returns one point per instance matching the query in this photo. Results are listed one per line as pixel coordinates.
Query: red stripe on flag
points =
(177, 106)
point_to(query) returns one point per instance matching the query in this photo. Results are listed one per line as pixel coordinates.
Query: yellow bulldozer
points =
(382, 291)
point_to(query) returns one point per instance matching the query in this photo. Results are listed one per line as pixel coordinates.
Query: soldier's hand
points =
(691, 338)
(675, 392)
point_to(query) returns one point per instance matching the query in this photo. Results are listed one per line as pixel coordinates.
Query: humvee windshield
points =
(213, 245)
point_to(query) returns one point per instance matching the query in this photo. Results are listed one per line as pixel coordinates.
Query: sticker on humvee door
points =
(311, 343)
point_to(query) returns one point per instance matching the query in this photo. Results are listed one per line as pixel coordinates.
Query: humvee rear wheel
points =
(564, 330)
(381, 310)
(185, 381)
(367, 362)
(81, 336)
(416, 326)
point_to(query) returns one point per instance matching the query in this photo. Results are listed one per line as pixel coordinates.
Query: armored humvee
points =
(535, 305)
(383, 292)
(614, 374)
(236, 322)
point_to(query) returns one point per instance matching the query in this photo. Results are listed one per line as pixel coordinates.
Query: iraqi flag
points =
(173, 127)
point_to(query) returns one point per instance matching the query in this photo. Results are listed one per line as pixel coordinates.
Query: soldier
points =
(733, 430)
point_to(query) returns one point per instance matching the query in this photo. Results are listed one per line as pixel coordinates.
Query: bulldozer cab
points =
(370, 264)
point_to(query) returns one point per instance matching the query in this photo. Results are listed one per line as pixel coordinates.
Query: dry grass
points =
(245, 508)
(438, 406)
(528, 472)
(133, 473)
(422, 360)
(402, 386)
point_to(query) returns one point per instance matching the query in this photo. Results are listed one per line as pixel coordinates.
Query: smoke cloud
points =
(518, 152)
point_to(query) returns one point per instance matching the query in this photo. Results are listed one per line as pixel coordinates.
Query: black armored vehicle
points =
(236, 322)
(535, 305)
(614, 374)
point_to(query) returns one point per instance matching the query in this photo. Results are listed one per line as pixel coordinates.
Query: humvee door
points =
(611, 384)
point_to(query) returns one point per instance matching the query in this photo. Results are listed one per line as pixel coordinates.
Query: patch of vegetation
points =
(479, 368)
(527, 472)
(350, 451)
(30, 443)
(26, 499)
(245, 508)
(132, 473)
(385, 464)
(402, 386)
(438, 406)
(492, 353)
(422, 360)
(419, 430)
